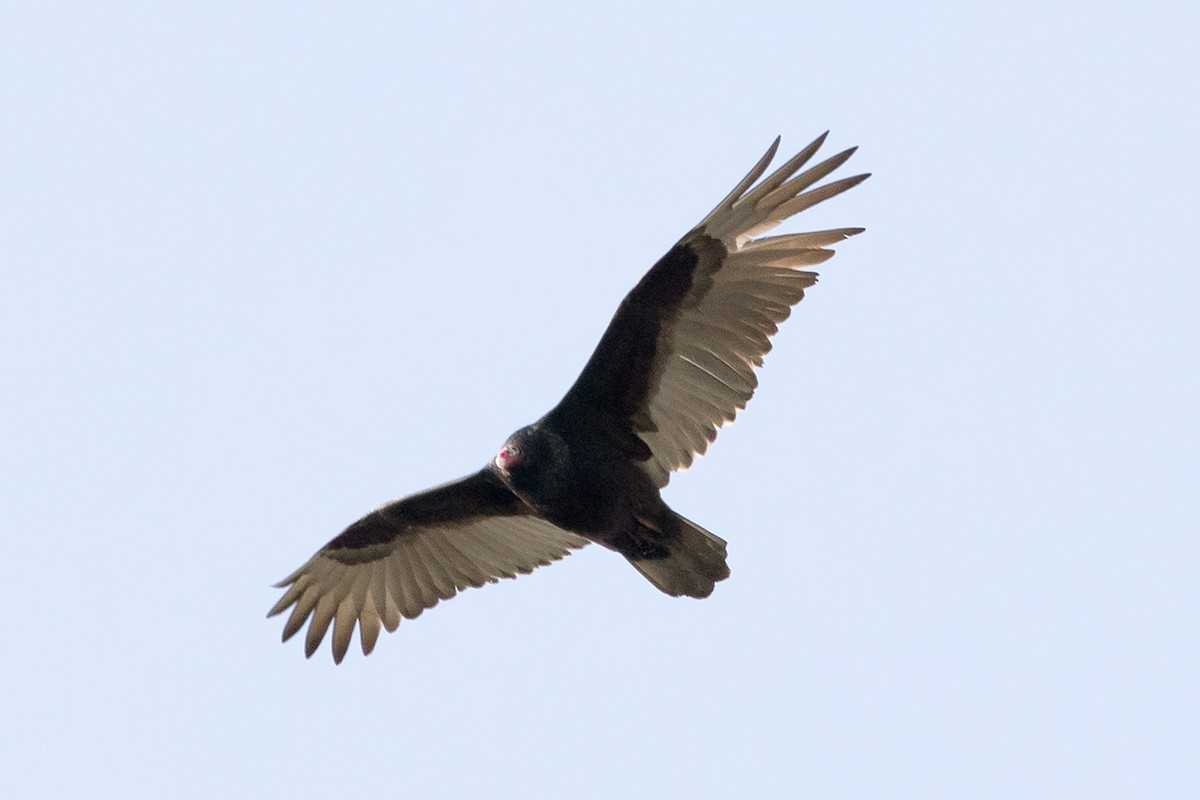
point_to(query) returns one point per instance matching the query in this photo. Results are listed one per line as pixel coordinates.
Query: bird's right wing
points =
(405, 557)
(678, 359)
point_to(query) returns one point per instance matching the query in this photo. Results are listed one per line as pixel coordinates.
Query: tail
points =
(695, 561)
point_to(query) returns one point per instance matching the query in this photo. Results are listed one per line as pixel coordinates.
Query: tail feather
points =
(695, 563)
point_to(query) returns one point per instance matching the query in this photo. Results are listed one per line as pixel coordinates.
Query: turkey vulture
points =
(676, 363)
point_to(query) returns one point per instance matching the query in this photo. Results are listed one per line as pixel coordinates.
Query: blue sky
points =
(268, 267)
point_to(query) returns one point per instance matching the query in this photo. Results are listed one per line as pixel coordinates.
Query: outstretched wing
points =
(677, 361)
(405, 557)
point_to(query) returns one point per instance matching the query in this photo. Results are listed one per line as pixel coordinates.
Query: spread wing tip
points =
(755, 206)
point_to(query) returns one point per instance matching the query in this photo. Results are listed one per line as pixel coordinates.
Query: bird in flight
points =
(676, 363)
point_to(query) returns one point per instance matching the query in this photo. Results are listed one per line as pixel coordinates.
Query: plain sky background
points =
(266, 266)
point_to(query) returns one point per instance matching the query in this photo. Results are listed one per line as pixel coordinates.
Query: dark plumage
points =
(676, 363)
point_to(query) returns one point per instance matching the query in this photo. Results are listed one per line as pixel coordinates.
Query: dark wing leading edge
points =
(677, 361)
(405, 557)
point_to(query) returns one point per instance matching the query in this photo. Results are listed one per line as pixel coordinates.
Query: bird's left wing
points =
(678, 359)
(405, 557)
